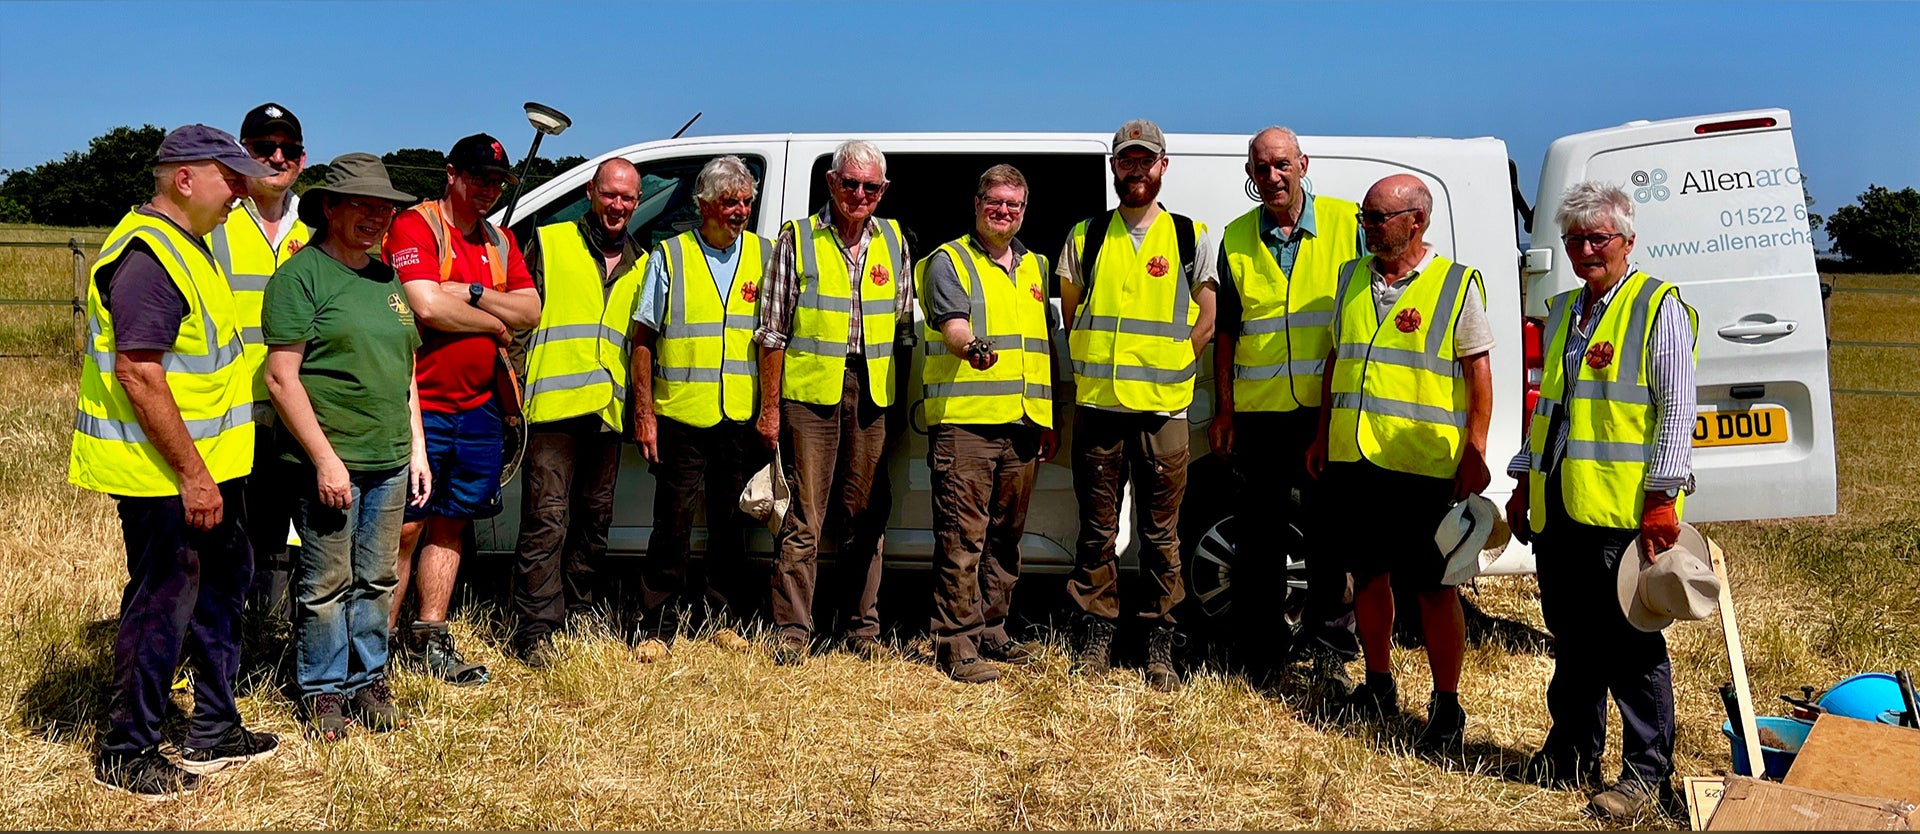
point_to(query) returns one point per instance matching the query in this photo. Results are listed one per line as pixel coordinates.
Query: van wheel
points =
(1210, 539)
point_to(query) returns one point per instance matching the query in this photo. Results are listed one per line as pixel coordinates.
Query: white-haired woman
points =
(696, 390)
(1608, 462)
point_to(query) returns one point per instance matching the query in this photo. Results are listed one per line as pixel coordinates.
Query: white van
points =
(1719, 212)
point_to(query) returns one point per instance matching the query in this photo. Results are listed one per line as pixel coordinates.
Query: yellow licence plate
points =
(1755, 426)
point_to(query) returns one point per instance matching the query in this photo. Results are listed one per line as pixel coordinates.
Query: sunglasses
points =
(1375, 218)
(264, 148)
(853, 186)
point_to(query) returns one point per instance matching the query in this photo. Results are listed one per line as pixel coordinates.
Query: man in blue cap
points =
(165, 427)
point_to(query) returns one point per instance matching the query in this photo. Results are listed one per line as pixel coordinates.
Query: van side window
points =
(666, 201)
(931, 195)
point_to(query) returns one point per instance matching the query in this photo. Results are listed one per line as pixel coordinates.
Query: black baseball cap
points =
(268, 118)
(480, 154)
(194, 143)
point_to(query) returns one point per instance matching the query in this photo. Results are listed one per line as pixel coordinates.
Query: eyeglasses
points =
(377, 209)
(1004, 205)
(1135, 163)
(1594, 241)
(1375, 218)
(264, 148)
(486, 180)
(853, 186)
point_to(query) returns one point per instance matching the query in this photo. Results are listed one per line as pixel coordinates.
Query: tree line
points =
(94, 187)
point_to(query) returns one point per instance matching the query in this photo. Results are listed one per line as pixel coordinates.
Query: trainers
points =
(1008, 652)
(373, 706)
(325, 718)
(443, 660)
(1446, 728)
(1161, 674)
(790, 651)
(539, 652)
(238, 746)
(146, 775)
(972, 670)
(651, 650)
(1095, 652)
(869, 648)
(730, 640)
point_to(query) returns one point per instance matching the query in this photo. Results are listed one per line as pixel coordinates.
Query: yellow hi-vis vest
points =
(577, 355)
(205, 369)
(1010, 314)
(1611, 422)
(248, 259)
(1132, 336)
(1286, 321)
(816, 357)
(703, 362)
(1399, 398)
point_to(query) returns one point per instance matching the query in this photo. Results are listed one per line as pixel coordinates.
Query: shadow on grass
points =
(67, 699)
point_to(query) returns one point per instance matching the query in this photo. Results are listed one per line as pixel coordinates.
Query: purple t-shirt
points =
(146, 305)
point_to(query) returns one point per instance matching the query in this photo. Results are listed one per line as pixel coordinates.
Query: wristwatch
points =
(1671, 492)
(474, 291)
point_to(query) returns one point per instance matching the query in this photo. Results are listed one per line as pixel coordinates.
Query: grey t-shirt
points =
(1206, 273)
(140, 294)
(1472, 336)
(945, 299)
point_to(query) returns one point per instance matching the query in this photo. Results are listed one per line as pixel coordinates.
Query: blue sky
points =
(422, 74)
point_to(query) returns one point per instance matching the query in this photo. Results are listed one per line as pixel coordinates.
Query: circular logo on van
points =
(880, 275)
(1599, 355)
(1157, 267)
(749, 292)
(1408, 320)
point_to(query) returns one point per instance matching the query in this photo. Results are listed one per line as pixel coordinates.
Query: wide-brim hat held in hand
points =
(1470, 538)
(351, 175)
(1678, 585)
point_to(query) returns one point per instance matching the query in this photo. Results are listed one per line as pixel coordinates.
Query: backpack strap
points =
(1183, 229)
(1090, 247)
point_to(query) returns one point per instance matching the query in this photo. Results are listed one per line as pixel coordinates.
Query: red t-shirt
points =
(454, 370)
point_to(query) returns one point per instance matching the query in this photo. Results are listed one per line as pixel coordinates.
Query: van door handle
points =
(1747, 329)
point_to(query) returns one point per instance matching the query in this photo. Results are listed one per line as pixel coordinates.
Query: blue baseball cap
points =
(194, 143)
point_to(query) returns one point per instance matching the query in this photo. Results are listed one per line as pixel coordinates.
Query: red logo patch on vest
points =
(1035, 289)
(293, 246)
(880, 275)
(1408, 321)
(1599, 355)
(749, 292)
(1157, 267)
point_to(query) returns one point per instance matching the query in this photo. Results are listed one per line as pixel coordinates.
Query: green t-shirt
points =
(360, 340)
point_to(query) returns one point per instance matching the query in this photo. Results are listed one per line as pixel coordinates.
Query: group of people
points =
(252, 360)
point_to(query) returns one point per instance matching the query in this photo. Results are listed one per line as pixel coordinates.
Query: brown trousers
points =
(1110, 450)
(982, 478)
(832, 458)
(722, 456)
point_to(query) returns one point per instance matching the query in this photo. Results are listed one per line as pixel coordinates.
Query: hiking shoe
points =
(972, 670)
(652, 650)
(373, 706)
(869, 648)
(1008, 652)
(443, 660)
(326, 718)
(1446, 728)
(1161, 674)
(238, 746)
(1094, 654)
(730, 640)
(1330, 672)
(146, 775)
(1631, 799)
(539, 652)
(790, 651)
(1372, 701)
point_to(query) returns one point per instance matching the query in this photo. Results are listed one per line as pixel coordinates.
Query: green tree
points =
(1882, 233)
(92, 187)
(421, 172)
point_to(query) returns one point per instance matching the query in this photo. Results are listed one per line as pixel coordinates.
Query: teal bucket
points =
(1791, 731)
(1864, 696)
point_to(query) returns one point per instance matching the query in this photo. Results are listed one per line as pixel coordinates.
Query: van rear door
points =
(1719, 210)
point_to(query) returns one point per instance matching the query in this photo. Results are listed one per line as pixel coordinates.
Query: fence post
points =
(78, 301)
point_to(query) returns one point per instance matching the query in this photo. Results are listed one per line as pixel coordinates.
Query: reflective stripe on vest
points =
(1399, 398)
(577, 355)
(1131, 341)
(248, 259)
(1011, 314)
(206, 372)
(703, 362)
(816, 354)
(1611, 422)
(1286, 321)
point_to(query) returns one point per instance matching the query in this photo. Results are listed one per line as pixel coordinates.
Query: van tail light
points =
(1736, 124)
(1532, 334)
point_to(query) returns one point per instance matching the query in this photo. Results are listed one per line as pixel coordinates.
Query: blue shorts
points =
(463, 451)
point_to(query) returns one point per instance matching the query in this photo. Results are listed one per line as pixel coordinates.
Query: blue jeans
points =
(347, 576)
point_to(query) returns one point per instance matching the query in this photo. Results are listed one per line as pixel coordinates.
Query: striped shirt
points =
(780, 289)
(1670, 381)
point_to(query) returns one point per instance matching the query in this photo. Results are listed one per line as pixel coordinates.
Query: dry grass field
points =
(714, 739)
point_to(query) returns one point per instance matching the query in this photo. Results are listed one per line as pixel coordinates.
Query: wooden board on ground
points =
(1755, 805)
(1703, 795)
(1864, 758)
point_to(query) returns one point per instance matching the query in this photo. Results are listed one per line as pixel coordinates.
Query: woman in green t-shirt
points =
(339, 366)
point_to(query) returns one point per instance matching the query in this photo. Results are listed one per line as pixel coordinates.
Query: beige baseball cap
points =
(1140, 133)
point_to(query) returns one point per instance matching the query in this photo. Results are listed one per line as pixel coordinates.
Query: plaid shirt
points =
(1669, 381)
(780, 289)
